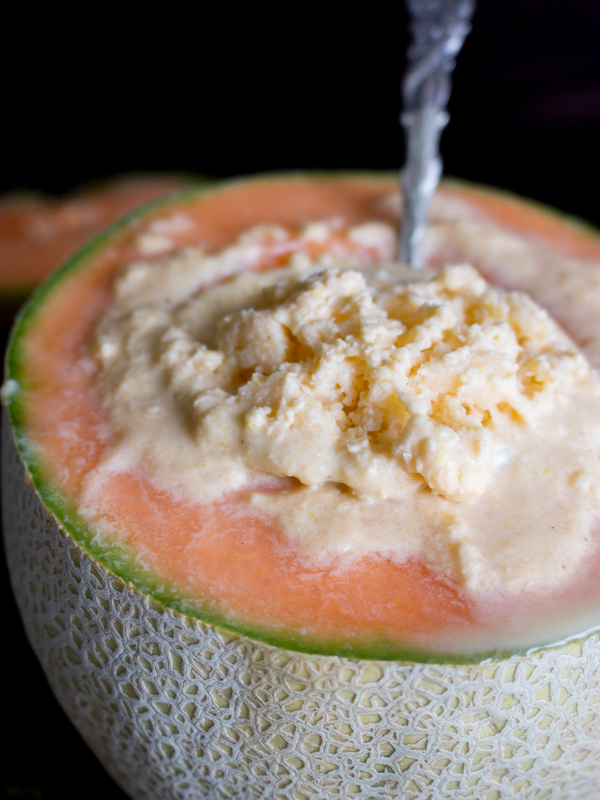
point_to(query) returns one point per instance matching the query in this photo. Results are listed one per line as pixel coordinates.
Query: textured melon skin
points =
(177, 709)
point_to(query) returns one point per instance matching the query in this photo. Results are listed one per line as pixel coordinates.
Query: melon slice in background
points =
(176, 699)
(38, 233)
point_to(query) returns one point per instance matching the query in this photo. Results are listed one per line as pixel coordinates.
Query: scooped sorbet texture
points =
(395, 398)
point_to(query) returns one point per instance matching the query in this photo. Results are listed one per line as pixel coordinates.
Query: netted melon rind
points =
(177, 710)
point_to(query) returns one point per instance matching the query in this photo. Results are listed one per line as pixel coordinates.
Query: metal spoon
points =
(439, 28)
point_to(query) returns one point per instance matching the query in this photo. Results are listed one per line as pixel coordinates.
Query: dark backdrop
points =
(226, 92)
(223, 91)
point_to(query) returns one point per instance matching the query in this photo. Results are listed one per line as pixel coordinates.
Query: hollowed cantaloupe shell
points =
(177, 708)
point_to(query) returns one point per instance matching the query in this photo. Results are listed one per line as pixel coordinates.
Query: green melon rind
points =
(119, 559)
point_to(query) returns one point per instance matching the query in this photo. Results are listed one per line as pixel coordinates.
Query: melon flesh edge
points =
(176, 709)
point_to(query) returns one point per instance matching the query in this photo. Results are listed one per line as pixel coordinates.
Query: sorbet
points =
(422, 413)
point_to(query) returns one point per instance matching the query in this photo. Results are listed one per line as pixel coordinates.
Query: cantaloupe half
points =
(300, 694)
(37, 233)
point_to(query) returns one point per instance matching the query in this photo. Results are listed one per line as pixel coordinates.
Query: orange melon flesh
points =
(570, 237)
(37, 234)
(238, 567)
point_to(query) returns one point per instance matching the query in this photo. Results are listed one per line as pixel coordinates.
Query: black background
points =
(222, 91)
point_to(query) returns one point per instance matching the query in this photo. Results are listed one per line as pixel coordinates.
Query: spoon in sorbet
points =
(438, 28)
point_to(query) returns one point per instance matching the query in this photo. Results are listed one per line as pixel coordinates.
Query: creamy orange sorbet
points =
(317, 445)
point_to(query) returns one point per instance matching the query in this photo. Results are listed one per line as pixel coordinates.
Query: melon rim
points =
(117, 559)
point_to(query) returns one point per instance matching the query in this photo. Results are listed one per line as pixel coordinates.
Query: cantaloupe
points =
(180, 700)
(37, 233)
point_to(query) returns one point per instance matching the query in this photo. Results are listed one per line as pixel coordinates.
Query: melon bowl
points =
(177, 706)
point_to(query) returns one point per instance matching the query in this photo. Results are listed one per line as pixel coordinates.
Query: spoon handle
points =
(439, 28)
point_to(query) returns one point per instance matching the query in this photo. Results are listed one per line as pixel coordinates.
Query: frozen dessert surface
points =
(421, 414)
